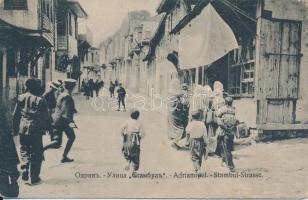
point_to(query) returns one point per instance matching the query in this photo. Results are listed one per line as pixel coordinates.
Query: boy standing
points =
(227, 128)
(197, 139)
(132, 132)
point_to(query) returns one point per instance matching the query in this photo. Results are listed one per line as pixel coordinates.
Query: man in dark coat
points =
(91, 86)
(31, 120)
(63, 118)
(121, 97)
(50, 95)
(8, 159)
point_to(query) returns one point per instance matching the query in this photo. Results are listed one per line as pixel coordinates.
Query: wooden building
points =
(265, 75)
(27, 38)
(67, 59)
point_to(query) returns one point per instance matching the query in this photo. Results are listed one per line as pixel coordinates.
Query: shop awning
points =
(206, 39)
(22, 36)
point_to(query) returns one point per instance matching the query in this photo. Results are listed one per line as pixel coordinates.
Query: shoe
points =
(35, 181)
(66, 159)
(118, 109)
(232, 169)
(24, 177)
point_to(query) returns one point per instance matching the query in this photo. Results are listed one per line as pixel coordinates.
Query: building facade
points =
(271, 56)
(67, 59)
(27, 32)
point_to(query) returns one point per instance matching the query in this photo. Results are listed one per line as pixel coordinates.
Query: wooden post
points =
(4, 72)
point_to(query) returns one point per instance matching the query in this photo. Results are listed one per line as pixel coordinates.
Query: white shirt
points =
(196, 129)
(132, 126)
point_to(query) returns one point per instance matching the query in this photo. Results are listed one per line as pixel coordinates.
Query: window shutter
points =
(15, 5)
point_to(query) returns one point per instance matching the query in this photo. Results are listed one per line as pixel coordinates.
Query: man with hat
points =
(63, 118)
(50, 95)
(51, 101)
(30, 121)
(227, 128)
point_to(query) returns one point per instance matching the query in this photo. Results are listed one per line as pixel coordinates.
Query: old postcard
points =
(153, 98)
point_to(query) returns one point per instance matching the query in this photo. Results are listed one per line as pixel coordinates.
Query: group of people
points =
(205, 119)
(36, 114)
(91, 88)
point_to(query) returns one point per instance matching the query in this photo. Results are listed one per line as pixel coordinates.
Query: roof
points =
(77, 8)
(226, 8)
(157, 37)
(166, 6)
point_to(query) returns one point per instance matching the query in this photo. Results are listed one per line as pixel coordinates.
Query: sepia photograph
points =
(152, 99)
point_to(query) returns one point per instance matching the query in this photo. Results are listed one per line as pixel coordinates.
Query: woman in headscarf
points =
(178, 109)
(200, 100)
(217, 101)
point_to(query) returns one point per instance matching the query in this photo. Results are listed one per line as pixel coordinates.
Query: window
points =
(241, 79)
(47, 9)
(11, 63)
(15, 5)
(61, 25)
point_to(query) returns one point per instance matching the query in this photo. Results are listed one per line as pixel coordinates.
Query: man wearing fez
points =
(30, 121)
(63, 118)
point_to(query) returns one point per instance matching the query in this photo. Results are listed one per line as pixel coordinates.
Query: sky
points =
(106, 16)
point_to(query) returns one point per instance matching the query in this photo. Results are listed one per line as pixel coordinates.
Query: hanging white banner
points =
(206, 39)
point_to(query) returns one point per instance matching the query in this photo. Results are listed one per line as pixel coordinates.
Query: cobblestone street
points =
(94, 154)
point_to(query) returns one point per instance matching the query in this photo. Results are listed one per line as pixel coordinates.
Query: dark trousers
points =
(131, 150)
(226, 144)
(121, 100)
(57, 138)
(31, 152)
(8, 183)
(111, 93)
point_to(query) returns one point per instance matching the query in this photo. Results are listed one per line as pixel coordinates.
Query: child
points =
(132, 132)
(227, 128)
(197, 134)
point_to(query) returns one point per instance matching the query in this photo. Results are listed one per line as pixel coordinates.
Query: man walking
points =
(64, 119)
(31, 120)
(121, 97)
(50, 95)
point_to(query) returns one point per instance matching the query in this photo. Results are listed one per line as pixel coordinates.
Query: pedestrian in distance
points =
(97, 87)
(197, 132)
(31, 120)
(111, 89)
(91, 87)
(227, 129)
(121, 97)
(63, 118)
(86, 90)
(132, 132)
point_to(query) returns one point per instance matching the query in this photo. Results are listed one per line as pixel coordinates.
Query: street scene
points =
(153, 99)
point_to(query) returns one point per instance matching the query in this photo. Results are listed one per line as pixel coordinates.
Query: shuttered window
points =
(15, 5)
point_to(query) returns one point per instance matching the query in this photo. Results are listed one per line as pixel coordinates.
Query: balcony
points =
(48, 29)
